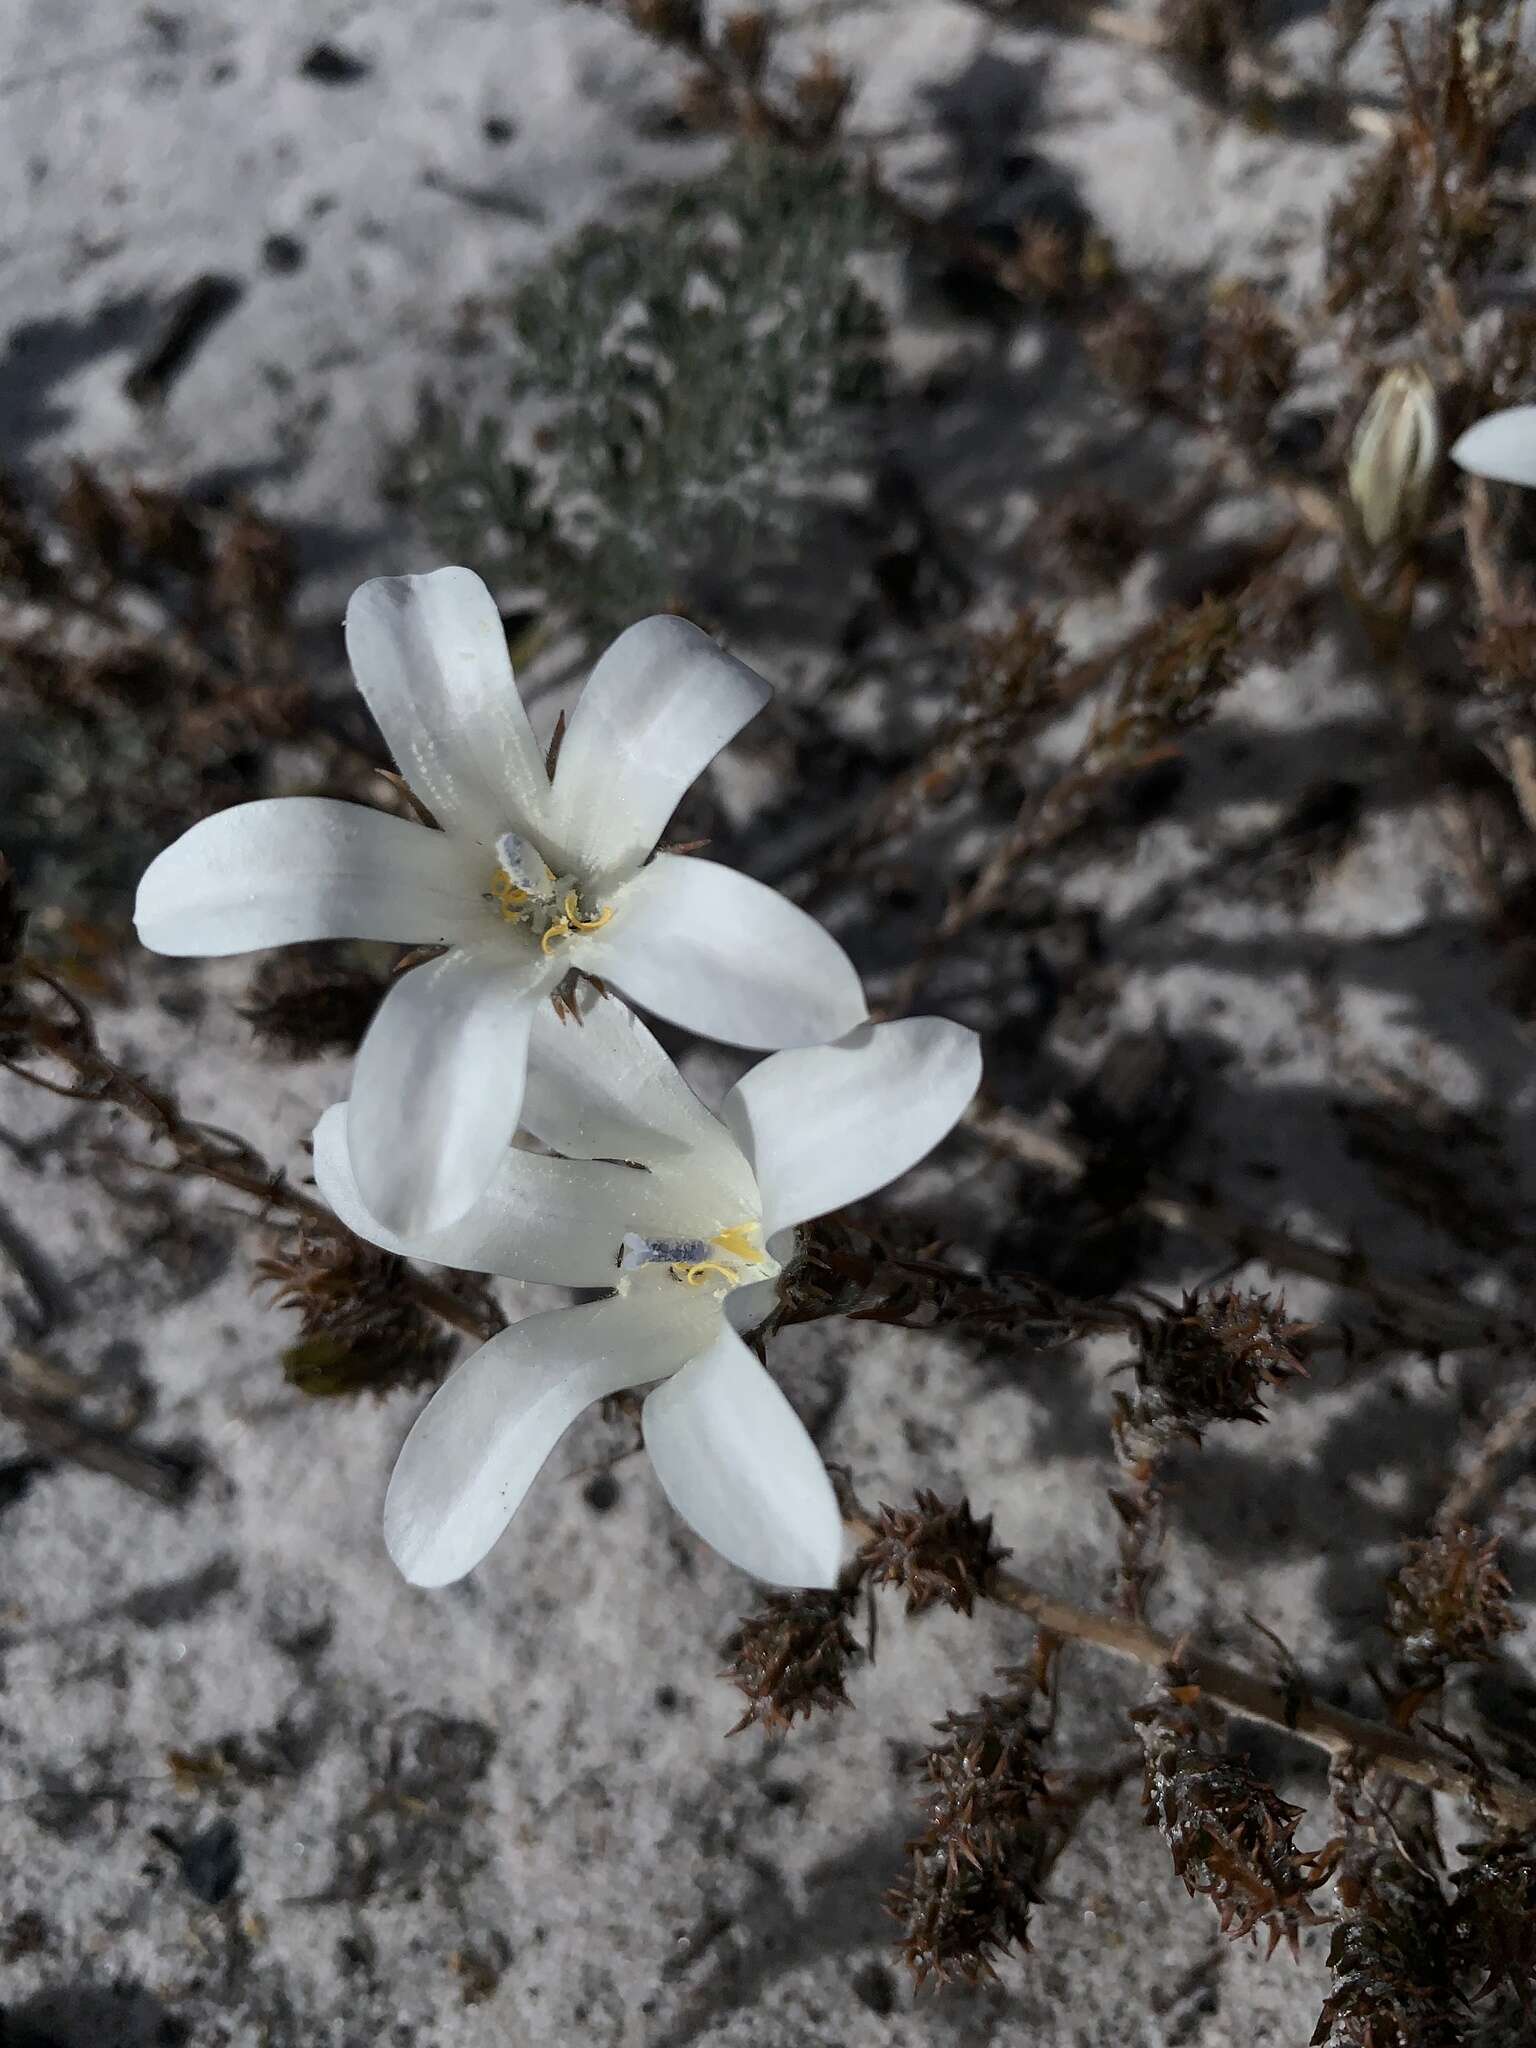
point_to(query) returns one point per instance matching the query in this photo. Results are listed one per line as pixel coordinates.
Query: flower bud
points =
(1393, 457)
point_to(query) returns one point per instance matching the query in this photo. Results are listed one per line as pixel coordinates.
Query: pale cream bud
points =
(1393, 457)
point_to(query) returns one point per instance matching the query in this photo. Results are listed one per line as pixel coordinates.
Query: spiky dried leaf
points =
(1450, 1602)
(1207, 1361)
(1495, 1915)
(1394, 1959)
(1248, 359)
(935, 1551)
(362, 1331)
(1231, 1836)
(791, 1657)
(955, 1923)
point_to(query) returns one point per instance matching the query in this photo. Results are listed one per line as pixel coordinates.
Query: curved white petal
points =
(827, 1124)
(558, 1220)
(658, 707)
(1502, 447)
(600, 1087)
(299, 867)
(739, 1466)
(430, 656)
(438, 1083)
(704, 946)
(479, 1443)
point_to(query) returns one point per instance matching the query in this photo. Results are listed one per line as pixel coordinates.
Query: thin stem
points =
(199, 1149)
(1465, 1497)
(155, 1474)
(841, 1270)
(1290, 1708)
(1255, 75)
(1419, 1314)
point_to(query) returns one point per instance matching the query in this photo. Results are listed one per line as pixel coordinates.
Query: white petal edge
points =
(1501, 447)
(738, 1464)
(430, 656)
(704, 946)
(561, 1221)
(828, 1124)
(438, 1083)
(600, 1087)
(480, 1442)
(292, 868)
(660, 704)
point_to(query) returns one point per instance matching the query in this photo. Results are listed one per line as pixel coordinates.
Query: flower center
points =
(527, 891)
(728, 1258)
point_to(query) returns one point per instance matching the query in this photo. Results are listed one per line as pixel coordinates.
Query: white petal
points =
(739, 1466)
(828, 1124)
(704, 946)
(1502, 447)
(600, 1087)
(439, 1083)
(299, 867)
(430, 656)
(656, 710)
(479, 1443)
(556, 1220)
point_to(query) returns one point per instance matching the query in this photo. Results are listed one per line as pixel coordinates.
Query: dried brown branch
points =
(1419, 1316)
(1251, 80)
(40, 1019)
(1290, 1707)
(157, 1475)
(1513, 1428)
(842, 1270)
(1209, 1360)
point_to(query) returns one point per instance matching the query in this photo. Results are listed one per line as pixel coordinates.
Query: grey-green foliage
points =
(693, 374)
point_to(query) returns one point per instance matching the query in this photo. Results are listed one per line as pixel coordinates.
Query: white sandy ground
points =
(617, 1871)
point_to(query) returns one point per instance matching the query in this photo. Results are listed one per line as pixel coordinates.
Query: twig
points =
(1277, 91)
(1465, 1496)
(200, 1149)
(1290, 1708)
(1437, 1321)
(156, 1474)
(842, 1270)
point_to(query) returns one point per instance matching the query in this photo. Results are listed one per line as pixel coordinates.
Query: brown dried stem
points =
(1420, 1315)
(841, 1270)
(1290, 1707)
(1467, 1494)
(155, 1474)
(1256, 78)
(202, 1150)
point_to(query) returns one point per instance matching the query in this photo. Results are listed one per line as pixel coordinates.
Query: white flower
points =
(690, 1236)
(526, 879)
(1501, 447)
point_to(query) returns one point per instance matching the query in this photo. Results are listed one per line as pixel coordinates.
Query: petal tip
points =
(413, 1555)
(1501, 447)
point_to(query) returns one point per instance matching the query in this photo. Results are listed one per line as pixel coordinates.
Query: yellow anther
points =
(560, 929)
(578, 923)
(738, 1242)
(694, 1276)
(510, 899)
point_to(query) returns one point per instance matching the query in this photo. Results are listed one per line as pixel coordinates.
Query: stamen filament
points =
(694, 1276)
(577, 922)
